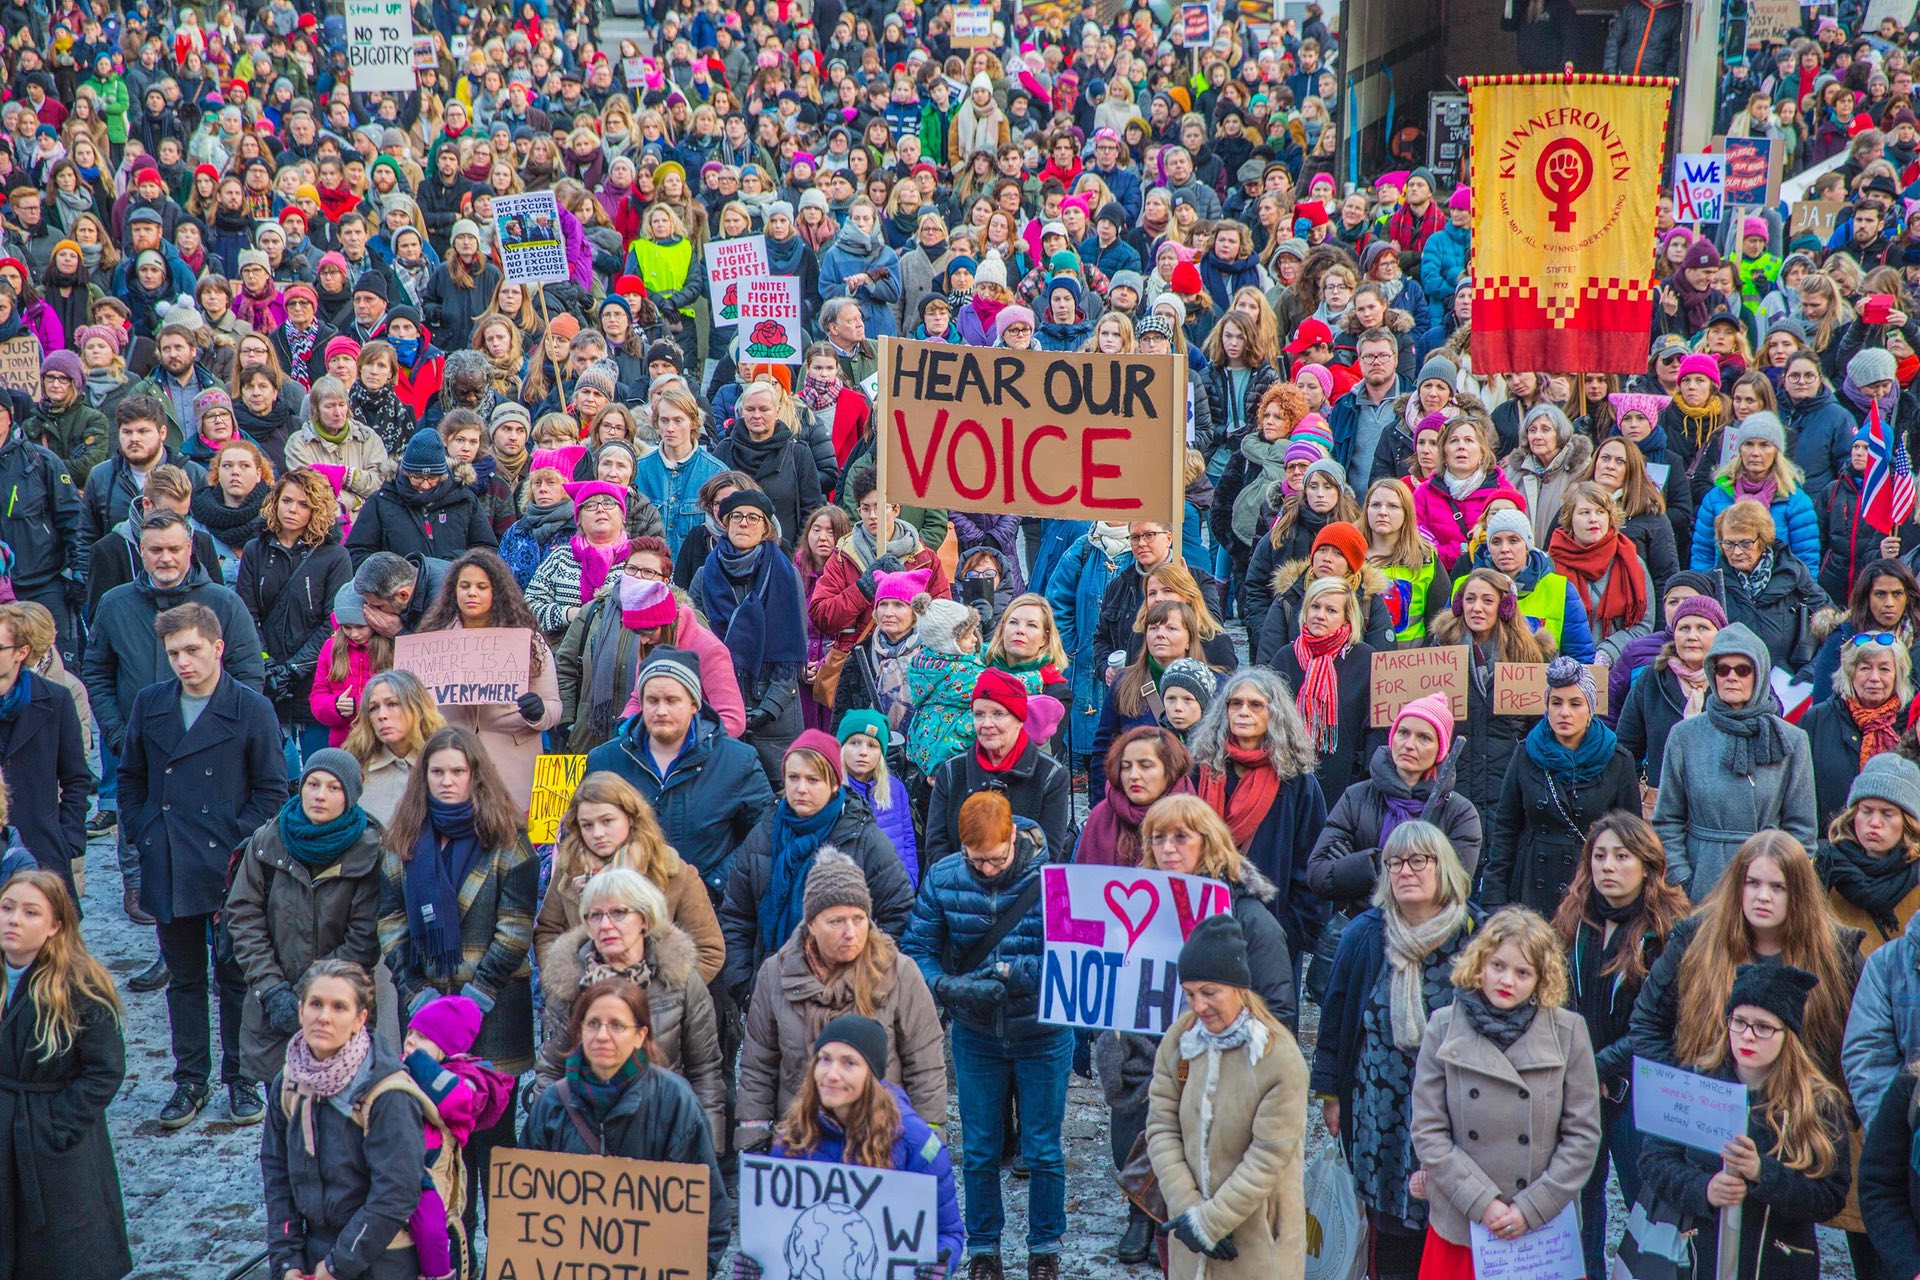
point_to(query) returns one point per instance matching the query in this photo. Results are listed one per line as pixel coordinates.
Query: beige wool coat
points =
(1522, 1126)
(688, 906)
(1227, 1144)
(789, 1007)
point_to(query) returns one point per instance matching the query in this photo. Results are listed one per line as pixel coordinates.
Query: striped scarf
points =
(1319, 695)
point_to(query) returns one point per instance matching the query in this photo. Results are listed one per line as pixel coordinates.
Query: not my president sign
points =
(1113, 939)
(802, 1220)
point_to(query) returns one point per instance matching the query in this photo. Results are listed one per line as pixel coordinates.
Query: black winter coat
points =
(450, 310)
(787, 473)
(855, 834)
(41, 518)
(1282, 623)
(1889, 1182)
(289, 592)
(1244, 415)
(1603, 1000)
(1354, 742)
(1345, 863)
(1835, 740)
(109, 496)
(1781, 612)
(1036, 786)
(347, 1199)
(44, 757)
(189, 798)
(60, 1210)
(1540, 827)
(1655, 704)
(441, 524)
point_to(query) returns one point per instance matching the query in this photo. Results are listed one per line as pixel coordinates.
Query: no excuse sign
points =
(1043, 433)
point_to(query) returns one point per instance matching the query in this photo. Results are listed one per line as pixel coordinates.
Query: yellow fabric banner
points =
(1566, 171)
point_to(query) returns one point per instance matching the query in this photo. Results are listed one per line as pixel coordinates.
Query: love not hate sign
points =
(1071, 435)
(1113, 939)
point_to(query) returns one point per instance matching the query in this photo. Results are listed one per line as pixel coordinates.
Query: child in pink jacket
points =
(469, 1095)
(351, 637)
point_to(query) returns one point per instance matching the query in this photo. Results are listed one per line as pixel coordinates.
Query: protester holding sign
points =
(1329, 667)
(1792, 1162)
(1505, 1055)
(1391, 970)
(836, 960)
(1226, 1120)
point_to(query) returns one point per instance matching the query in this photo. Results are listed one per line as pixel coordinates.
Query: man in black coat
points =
(43, 754)
(1152, 544)
(201, 770)
(40, 520)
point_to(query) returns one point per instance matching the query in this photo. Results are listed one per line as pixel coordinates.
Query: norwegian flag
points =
(1887, 500)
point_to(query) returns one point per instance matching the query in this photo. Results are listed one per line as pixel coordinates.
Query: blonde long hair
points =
(646, 849)
(65, 976)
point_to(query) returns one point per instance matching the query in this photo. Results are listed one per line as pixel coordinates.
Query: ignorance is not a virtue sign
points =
(1074, 435)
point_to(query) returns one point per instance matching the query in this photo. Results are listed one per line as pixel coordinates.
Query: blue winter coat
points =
(1443, 260)
(918, 1149)
(955, 909)
(1116, 257)
(1795, 523)
(1075, 589)
(896, 822)
(1124, 184)
(1823, 440)
(876, 297)
(1055, 537)
(714, 793)
(1883, 1025)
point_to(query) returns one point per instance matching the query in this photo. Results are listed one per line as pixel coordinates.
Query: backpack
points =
(448, 1170)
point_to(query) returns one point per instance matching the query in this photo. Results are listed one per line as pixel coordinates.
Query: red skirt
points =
(1444, 1260)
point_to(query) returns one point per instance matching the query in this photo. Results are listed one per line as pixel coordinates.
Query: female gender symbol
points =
(1564, 172)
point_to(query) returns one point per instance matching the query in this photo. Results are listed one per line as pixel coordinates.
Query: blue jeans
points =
(297, 742)
(1618, 1136)
(1035, 1066)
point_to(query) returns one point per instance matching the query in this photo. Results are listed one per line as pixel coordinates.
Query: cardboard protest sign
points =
(20, 361)
(634, 72)
(1072, 435)
(425, 56)
(1699, 187)
(1901, 11)
(1113, 939)
(1520, 688)
(805, 1221)
(563, 1215)
(972, 26)
(555, 779)
(1196, 25)
(728, 263)
(769, 327)
(1550, 1252)
(1771, 21)
(380, 45)
(528, 227)
(1692, 1110)
(1753, 172)
(1814, 218)
(464, 668)
(1401, 675)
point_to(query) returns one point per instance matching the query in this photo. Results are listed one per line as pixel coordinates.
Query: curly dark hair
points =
(509, 605)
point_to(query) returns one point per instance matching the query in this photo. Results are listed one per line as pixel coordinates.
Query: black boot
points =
(1136, 1242)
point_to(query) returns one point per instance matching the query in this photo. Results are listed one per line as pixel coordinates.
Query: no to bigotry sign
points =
(380, 46)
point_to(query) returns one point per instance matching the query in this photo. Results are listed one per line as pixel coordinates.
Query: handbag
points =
(826, 680)
(1136, 1176)
(1658, 1244)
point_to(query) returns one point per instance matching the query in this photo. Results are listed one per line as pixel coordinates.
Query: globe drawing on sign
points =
(831, 1242)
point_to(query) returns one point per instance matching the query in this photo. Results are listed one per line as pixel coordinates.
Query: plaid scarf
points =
(1319, 695)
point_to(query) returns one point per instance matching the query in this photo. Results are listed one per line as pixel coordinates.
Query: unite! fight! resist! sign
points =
(1072, 435)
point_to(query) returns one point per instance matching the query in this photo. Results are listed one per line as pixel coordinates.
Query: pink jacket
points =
(1448, 521)
(326, 692)
(718, 685)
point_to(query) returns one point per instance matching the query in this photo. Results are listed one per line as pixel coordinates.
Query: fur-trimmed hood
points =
(1395, 321)
(1369, 581)
(1571, 460)
(671, 956)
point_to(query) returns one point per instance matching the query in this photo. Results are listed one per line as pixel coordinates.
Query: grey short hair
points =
(830, 310)
(625, 887)
(382, 574)
(1850, 655)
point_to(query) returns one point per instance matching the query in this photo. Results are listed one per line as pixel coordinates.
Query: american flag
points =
(1887, 499)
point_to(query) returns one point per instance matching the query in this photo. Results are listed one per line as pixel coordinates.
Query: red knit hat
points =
(995, 685)
(1347, 540)
(1186, 280)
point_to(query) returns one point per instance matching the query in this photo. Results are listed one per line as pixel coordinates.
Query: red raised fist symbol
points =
(1564, 172)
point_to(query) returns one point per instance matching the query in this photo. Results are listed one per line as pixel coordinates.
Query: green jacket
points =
(78, 435)
(114, 104)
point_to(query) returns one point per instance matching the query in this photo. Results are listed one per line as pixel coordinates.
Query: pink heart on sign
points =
(1122, 908)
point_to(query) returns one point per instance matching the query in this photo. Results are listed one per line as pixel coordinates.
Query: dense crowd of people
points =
(289, 409)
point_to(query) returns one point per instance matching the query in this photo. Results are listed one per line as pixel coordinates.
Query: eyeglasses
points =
(1148, 536)
(650, 575)
(1740, 544)
(611, 915)
(1178, 836)
(1414, 862)
(593, 1027)
(1758, 1030)
(1737, 670)
(1864, 639)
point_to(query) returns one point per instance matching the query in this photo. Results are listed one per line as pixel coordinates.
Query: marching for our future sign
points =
(1073, 435)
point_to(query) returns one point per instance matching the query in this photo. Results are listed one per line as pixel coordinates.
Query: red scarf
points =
(1013, 756)
(1319, 695)
(1879, 727)
(1624, 602)
(1253, 795)
(1905, 368)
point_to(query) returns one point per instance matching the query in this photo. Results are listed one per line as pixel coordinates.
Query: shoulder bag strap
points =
(1003, 924)
(580, 1125)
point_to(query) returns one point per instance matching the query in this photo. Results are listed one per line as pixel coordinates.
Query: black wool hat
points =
(1780, 989)
(1216, 951)
(740, 499)
(863, 1035)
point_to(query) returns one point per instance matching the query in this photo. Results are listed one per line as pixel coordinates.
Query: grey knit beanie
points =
(941, 622)
(1510, 520)
(1871, 365)
(680, 665)
(340, 764)
(1890, 777)
(1761, 426)
(835, 881)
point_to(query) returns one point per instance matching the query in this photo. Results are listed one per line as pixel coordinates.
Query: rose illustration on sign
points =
(1564, 172)
(730, 301)
(768, 341)
(1121, 901)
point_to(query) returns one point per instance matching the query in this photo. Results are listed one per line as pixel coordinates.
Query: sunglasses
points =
(1738, 670)
(1864, 639)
